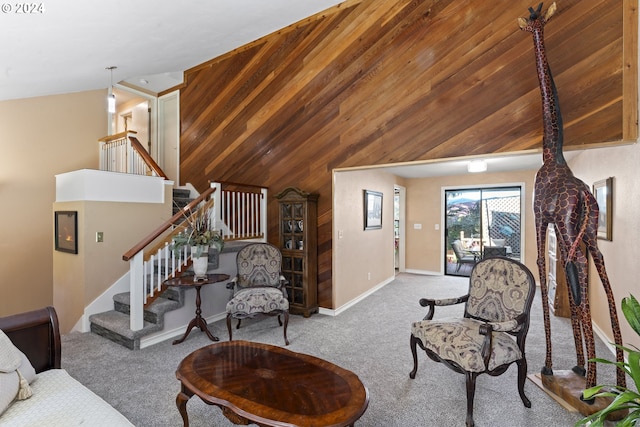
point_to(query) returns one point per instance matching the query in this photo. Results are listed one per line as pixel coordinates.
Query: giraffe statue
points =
(566, 202)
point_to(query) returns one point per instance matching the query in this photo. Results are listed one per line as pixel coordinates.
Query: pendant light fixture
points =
(111, 98)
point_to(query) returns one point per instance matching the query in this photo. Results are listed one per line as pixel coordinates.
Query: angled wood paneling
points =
(379, 81)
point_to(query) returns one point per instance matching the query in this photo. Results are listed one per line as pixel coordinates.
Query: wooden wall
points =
(373, 82)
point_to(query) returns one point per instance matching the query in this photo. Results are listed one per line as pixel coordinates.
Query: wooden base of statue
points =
(566, 387)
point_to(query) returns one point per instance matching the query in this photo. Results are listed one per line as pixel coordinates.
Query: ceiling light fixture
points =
(111, 98)
(475, 166)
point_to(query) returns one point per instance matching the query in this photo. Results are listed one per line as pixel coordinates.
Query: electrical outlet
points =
(368, 276)
(99, 237)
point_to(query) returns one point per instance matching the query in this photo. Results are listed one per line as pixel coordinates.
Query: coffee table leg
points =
(181, 403)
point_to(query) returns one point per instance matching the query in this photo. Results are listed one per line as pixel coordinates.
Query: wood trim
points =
(113, 137)
(630, 70)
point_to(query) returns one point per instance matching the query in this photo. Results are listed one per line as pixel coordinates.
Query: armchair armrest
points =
(232, 286)
(283, 288)
(431, 303)
(487, 329)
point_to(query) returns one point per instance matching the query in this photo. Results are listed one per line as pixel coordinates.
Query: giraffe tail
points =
(571, 269)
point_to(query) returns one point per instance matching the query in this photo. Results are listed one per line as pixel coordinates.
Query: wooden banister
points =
(116, 136)
(138, 147)
(165, 226)
(244, 186)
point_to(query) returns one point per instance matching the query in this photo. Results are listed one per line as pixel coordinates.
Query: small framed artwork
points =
(66, 229)
(372, 210)
(603, 192)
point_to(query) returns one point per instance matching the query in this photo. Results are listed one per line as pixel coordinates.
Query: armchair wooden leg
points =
(279, 320)
(471, 391)
(412, 343)
(238, 325)
(522, 376)
(229, 327)
(286, 323)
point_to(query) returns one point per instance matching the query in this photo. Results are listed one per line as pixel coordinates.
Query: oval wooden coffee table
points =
(271, 386)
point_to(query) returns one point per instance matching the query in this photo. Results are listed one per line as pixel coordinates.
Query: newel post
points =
(136, 289)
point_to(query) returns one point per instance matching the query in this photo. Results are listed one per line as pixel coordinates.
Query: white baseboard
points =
(423, 272)
(335, 312)
(605, 339)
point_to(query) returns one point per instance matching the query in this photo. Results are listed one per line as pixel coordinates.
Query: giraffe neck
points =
(551, 117)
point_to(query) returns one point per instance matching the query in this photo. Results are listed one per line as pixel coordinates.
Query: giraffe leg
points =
(598, 261)
(567, 234)
(577, 335)
(585, 317)
(541, 236)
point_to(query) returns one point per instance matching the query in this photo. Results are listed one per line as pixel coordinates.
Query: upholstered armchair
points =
(258, 288)
(491, 334)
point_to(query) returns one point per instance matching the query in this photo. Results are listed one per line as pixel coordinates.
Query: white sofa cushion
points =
(60, 400)
(16, 373)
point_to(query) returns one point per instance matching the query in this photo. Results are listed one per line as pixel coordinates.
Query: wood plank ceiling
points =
(376, 81)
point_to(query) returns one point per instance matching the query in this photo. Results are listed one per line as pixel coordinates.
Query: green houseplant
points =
(199, 233)
(623, 398)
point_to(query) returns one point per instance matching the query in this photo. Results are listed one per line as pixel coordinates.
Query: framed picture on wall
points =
(603, 192)
(66, 229)
(372, 210)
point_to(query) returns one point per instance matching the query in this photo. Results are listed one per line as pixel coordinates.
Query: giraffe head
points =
(536, 20)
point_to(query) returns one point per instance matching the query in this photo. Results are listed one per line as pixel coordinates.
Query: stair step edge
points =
(119, 323)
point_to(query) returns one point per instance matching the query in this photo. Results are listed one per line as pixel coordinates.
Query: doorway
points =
(481, 222)
(399, 233)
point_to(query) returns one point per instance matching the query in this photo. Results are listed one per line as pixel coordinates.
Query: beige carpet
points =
(371, 339)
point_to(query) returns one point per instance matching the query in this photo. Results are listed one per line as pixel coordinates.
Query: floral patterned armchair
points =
(497, 309)
(258, 288)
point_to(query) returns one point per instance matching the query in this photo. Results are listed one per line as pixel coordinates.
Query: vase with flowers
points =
(199, 235)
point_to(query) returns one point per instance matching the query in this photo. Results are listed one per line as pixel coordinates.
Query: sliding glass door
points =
(481, 222)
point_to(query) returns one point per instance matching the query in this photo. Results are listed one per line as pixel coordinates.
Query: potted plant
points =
(624, 398)
(200, 236)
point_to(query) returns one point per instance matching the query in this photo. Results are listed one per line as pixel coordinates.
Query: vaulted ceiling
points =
(64, 46)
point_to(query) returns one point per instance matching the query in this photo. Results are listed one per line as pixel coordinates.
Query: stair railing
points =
(156, 259)
(123, 152)
(240, 211)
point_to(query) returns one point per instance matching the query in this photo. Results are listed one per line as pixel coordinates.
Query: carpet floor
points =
(371, 339)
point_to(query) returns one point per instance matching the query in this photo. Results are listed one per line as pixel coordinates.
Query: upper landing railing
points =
(123, 152)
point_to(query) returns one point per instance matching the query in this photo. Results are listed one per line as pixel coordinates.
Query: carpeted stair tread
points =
(114, 325)
(154, 312)
(159, 306)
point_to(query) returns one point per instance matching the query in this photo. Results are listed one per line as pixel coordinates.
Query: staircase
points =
(181, 198)
(137, 319)
(114, 324)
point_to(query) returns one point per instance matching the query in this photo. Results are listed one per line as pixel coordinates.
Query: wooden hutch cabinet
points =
(298, 242)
